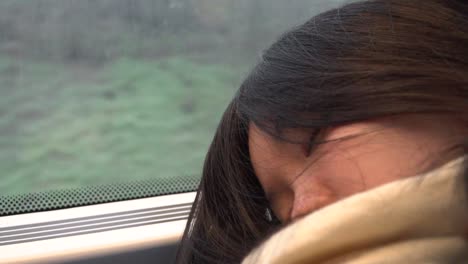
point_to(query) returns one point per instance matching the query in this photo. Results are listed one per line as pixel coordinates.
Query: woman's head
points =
(354, 98)
(350, 158)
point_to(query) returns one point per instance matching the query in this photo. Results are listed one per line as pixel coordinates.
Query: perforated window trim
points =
(90, 195)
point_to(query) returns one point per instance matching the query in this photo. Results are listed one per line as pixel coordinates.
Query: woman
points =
(348, 137)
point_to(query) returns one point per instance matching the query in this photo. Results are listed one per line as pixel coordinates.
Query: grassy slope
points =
(67, 126)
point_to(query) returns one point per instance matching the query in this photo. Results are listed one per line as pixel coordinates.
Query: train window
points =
(111, 100)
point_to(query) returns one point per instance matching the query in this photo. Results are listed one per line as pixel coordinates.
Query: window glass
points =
(99, 92)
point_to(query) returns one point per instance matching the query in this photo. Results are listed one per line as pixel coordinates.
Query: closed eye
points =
(311, 144)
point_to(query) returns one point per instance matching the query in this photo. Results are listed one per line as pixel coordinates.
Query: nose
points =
(307, 201)
(301, 206)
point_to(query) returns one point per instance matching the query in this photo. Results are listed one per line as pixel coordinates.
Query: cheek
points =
(328, 179)
(334, 176)
(350, 167)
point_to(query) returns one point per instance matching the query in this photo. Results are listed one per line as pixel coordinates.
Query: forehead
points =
(263, 146)
(271, 158)
(264, 152)
(259, 143)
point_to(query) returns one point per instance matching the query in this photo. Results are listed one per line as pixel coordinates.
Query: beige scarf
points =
(422, 219)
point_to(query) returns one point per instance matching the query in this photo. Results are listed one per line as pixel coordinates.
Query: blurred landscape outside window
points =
(108, 91)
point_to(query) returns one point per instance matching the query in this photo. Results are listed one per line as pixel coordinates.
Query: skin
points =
(355, 158)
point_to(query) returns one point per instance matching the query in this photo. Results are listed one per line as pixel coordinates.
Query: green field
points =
(71, 125)
(110, 91)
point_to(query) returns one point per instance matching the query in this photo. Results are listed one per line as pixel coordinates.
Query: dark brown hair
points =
(361, 61)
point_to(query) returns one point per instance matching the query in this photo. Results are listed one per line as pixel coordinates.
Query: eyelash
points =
(311, 144)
